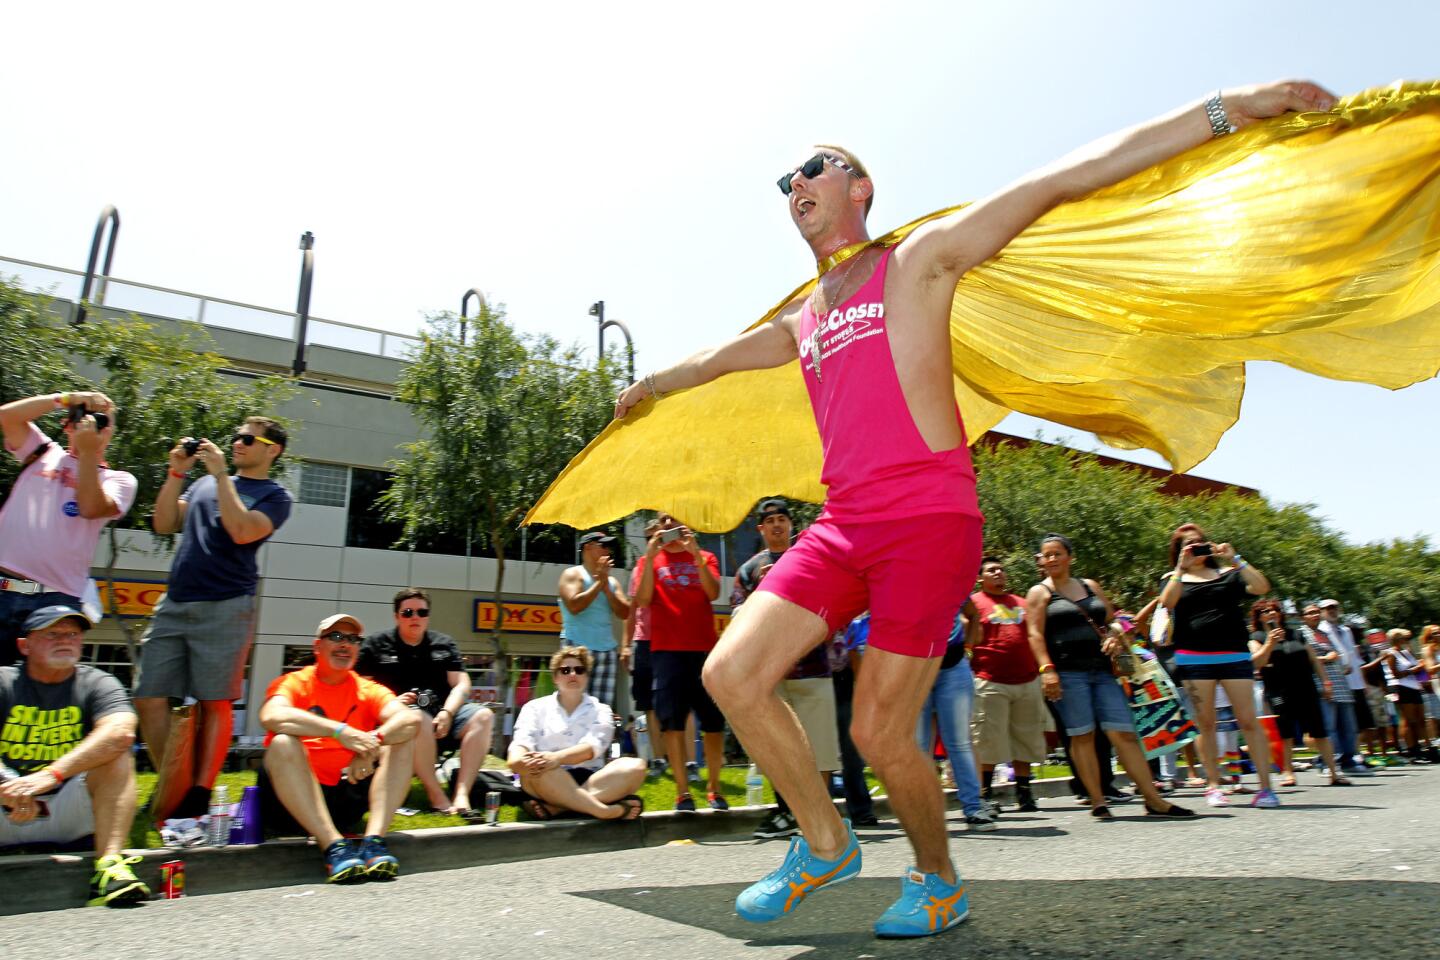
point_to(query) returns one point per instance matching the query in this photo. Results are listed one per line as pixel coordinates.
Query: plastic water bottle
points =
(754, 787)
(219, 832)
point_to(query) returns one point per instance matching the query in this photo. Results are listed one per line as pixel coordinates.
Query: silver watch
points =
(1219, 120)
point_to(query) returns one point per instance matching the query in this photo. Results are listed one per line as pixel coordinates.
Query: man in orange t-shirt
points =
(329, 730)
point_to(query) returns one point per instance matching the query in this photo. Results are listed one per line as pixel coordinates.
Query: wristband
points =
(379, 736)
(59, 777)
(177, 475)
(62, 399)
(1046, 666)
(339, 730)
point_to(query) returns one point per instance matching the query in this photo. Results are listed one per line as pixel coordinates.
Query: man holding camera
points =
(202, 629)
(60, 502)
(424, 668)
(591, 600)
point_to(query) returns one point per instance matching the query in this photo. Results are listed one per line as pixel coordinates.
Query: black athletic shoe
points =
(778, 824)
(869, 820)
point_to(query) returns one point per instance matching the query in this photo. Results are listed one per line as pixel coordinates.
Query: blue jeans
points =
(1340, 724)
(952, 700)
(15, 609)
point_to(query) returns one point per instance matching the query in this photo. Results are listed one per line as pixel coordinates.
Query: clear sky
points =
(556, 154)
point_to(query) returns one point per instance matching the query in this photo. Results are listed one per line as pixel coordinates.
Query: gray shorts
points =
(69, 818)
(197, 649)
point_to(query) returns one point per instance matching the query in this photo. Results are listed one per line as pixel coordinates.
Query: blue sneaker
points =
(798, 876)
(343, 863)
(380, 863)
(927, 905)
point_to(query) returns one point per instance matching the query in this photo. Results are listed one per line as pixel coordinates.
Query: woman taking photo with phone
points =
(1067, 618)
(1205, 595)
(1295, 681)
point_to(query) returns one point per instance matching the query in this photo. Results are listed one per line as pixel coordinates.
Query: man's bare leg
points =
(154, 713)
(675, 753)
(424, 765)
(295, 785)
(112, 799)
(216, 730)
(888, 695)
(767, 636)
(390, 784)
(475, 743)
(714, 759)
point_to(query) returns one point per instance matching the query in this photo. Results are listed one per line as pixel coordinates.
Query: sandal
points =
(1289, 781)
(632, 806)
(537, 810)
(1339, 781)
(1102, 813)
(1173, 812)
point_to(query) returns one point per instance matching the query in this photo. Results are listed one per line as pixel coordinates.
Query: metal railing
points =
(129, 295)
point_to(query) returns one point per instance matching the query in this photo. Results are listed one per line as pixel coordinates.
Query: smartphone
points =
(672, 534)
(1201, 550)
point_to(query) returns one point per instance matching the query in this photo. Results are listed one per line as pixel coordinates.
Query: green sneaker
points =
(114, 884)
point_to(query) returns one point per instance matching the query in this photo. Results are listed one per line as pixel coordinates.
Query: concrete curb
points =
(59, 881)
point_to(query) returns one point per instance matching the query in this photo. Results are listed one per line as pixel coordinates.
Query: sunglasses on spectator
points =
(811, 169)
(248, 439)
(340, 636)
(409, 612)
(568, 671)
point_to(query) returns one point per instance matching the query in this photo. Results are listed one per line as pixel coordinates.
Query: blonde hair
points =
(1399, 633)
(572, 653)
(860, 169)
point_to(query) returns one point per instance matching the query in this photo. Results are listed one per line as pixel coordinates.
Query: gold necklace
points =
(853, 256)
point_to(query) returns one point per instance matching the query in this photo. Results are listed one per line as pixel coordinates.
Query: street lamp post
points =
(302, 306)
(113, 216)
(597, 310)
(464, 305)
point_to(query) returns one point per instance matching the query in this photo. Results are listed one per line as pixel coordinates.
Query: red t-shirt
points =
(680, 614)
(355, 700)
(1003, 653)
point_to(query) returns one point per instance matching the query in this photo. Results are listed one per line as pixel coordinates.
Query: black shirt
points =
(1289, 676)
(393, 663)
(1072, 631)
(1209, 617)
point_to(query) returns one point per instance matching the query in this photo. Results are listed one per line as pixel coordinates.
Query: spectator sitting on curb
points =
(558, 750)
(68, 730)
(424, 669)
(330, 730)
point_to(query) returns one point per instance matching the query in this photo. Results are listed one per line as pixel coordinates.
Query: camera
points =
(192, 447)
(1201, 550)
(425, 699)
(78, 412)
(672, 534)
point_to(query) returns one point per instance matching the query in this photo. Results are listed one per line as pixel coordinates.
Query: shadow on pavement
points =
(1178, 918)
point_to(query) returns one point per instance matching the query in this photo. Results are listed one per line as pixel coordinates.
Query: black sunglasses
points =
(409, 612)
(248, 439)
(339, 636)
(811, 169)
(567, 671)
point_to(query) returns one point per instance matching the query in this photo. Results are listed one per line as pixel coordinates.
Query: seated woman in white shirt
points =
(558, 749)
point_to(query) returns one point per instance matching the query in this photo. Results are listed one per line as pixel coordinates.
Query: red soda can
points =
(172, 879)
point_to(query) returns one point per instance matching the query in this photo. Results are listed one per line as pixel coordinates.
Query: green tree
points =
(504, 413)
(32, 356)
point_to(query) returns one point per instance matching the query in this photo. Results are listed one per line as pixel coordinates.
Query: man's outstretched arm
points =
(946, 249)
(769, 345)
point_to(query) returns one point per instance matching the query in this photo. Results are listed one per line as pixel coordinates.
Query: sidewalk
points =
(59, 881)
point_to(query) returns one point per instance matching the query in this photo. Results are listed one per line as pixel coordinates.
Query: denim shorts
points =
(1091, 696)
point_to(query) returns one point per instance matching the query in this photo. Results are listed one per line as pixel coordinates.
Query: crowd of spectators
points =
(346, 734)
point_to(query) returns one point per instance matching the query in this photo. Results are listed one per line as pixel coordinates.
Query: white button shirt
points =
(544, 726)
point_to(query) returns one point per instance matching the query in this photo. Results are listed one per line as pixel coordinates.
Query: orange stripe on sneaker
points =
(798, 891)
(943, 908)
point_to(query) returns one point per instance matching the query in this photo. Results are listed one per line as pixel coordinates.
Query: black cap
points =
(596, 536)
(773, 506)
(53, 614)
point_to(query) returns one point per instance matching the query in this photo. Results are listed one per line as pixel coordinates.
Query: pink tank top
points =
(875, 463)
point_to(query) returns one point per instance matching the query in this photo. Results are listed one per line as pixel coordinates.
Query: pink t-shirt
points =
(42, 535)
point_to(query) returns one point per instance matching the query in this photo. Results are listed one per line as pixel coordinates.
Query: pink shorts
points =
(912, 574)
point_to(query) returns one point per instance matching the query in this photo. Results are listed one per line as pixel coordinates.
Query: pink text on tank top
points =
(876, 465)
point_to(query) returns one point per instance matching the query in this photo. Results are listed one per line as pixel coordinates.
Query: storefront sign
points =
(133, 598)
(539, 618)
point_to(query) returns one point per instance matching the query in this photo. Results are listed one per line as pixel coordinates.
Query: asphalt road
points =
(1334, 872)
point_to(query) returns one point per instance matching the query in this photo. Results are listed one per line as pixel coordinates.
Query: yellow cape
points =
(1311, 240)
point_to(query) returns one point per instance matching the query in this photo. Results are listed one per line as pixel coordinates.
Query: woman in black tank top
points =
(1067, 619)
